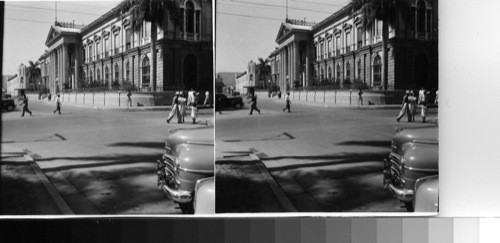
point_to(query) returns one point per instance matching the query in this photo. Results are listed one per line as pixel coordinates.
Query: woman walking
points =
(405, 108)
(194, 107)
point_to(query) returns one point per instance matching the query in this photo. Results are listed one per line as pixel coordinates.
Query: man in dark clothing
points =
(218, 104)
(254, 104)
(25, 106)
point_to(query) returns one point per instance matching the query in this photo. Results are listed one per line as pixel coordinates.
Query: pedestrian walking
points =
(360, 97)
(405, 109)
(437, 98)
(254, 104)
(412, 102)
(422, 100)
(58, 104)
(207, 98)
(25, 104)
(175, 109)
(288, 102)
(129, 99)
(194, 107)
(218, 104)
(182, 106)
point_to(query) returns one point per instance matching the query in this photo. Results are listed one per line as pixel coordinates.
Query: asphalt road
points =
(324, 159)
(101, 162)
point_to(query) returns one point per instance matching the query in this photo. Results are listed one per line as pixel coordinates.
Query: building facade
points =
(341, 51)
(246, 80)
(109, 52)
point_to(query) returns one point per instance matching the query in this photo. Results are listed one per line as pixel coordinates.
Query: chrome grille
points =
(396, 173)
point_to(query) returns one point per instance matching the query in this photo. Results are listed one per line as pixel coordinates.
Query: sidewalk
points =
(121, 108)
(24, 189)
(329, 105)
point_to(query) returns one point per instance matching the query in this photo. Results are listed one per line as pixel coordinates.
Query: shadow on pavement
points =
(154, 145)
(375, 143)
(241, 188)
(342, 158)
(119, 159)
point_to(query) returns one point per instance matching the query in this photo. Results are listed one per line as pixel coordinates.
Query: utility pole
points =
(56, 10)
(286, 9)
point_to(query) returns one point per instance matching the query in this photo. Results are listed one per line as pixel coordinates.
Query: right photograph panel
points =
(327, 106)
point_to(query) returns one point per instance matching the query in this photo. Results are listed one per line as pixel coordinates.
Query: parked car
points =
(8, 102)
(427, 194)
(225, 101)
(414, 155)
(189, 157)
(204, 196)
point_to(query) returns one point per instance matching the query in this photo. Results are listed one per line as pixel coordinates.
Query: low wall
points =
(113, 99)
(341, 97)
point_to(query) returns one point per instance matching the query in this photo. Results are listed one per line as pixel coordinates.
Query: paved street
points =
(100, 161)
(324, 159)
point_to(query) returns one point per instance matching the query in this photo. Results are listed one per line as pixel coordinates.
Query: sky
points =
(27, 24)
(247, 29)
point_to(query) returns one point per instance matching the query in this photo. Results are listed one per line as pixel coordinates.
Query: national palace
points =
(341, 50)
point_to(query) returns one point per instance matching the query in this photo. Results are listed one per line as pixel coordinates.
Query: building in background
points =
(109, 53)
(229, 80)
(245, 82)
(340, 51)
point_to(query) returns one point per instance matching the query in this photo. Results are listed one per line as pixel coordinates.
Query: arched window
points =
(322, 73)
(117, 72)
(421, 16)
(98, 74)
(84, 76)
(348, 71)
(377, 70)
(127, 72)
(190, 17)
(330, 72)
(91, 76)
(106, 74)
(145, 71)
(359, 69)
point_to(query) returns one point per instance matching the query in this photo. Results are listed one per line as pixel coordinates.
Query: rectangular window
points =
(338, 44)
(198, 21)
(98, 49)
(106, 47)
(360, 37)
(348, 41)
(91, 54)
(321, 49)
(329, 47)
(128, 39)
(117, 43)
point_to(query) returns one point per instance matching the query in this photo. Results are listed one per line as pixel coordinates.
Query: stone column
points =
(296, 55)
(308, 55)
(77, 65)
(65, 63)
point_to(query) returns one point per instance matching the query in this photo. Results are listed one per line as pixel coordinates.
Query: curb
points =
(54, 194)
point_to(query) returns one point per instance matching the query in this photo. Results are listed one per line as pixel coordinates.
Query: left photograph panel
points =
(107, 108)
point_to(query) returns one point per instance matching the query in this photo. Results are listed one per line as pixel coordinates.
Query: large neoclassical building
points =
(110, 51)
(339, 50)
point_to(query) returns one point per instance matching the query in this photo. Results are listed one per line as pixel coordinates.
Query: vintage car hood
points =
(421, 156)
(424, 134)
(195, 157)
(203, 135)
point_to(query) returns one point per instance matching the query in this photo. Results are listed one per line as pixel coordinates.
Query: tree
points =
(385, 11)
(153, 11)
(33, 73)
(263, 69)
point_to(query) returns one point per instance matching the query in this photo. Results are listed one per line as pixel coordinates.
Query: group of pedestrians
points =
(410, 102)
(24, 102)
(180, 104)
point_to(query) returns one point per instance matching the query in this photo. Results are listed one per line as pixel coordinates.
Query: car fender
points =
(204, 196)
(427, 194)
(195, 161)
